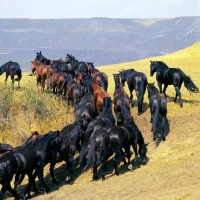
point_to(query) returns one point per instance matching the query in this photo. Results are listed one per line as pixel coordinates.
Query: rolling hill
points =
(172, 172)
(102, 40)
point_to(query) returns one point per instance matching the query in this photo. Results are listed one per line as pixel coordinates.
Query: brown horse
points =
(98, 92)
(120, 97)
(56, 81)
(43, 72)
(100, 77)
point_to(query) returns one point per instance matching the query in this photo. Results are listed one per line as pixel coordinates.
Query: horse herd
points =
(97, 132)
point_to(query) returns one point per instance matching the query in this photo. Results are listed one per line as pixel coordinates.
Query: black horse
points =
(136, 81)
(106, 118)
(171, 76)
(119, 96)
(117, 137)
(42, 59)
(12, 69)
(62, 66)
(158, 106)
(76, 65)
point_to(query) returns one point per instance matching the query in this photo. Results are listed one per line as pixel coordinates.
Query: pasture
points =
(172, 172)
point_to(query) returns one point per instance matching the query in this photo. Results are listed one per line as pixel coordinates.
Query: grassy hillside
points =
(172, 172)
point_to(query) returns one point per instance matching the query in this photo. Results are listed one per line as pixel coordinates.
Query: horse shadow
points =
(171, 99)
(159, 138)
(145, 106)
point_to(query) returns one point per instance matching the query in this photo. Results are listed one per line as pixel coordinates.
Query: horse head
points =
(153, 67)
(142, 152)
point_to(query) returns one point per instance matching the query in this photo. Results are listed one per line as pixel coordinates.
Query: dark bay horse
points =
(119, 96)
(171, 76)
(12, 69)
(100, 77)
(118, 137)
(98, 92)
(76, 65)
(105, 118)
(136, 81)
(43, 72)
(42, 59)
(158, 106)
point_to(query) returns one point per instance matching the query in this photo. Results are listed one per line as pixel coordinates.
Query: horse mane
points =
(162, 63)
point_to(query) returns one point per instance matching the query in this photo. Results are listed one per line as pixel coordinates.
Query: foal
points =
(158, 105)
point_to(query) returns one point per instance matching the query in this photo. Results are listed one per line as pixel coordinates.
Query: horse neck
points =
(162, 66)
(153, 92)
(3, 67)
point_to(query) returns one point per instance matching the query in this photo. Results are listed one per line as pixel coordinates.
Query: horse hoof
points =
(103, 178)
(117, 173)
(154, 139)
(164, 139)
(130, 166)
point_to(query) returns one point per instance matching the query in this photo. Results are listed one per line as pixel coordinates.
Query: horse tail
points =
(91, 154)
(103, 147)
(63, 85)
(189, 84)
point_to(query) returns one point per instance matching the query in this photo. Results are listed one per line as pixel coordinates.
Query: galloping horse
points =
(98, 92)
(76, 65)
(136, 81)
(12, 69)
(43, 72)
(100, 77)
(119, 96)
(118, 137)
(158, 106)
(171, 76)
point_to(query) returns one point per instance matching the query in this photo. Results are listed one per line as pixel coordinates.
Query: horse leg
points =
(69, 169)
(41, 178)
(28, 188)
(131, 96)
(7, 186)
(164, 90)
(115, 159)
(95, 176)
(178, 93)
(51, 169)
(12, 78)
(104, 164)
(160, 87)
(18, 180)
(135, 151)
(154, 124)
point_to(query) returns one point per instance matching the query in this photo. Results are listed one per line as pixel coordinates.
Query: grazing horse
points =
(106, 118)
(42, 59)
(158, 106)
(12, 69)
(118, 137)
(119, 96)
(100, 77)
(98, 92)
(171, 76)
(76, 65)
(43, 72)
(136, 81)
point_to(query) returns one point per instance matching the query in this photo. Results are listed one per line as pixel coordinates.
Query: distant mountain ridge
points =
(102, 40)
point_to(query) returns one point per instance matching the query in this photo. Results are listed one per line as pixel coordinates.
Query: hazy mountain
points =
(102, 40)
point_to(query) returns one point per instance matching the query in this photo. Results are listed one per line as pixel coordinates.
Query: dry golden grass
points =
(172, 172)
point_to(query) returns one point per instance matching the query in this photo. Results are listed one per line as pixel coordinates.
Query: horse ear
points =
(151, 61)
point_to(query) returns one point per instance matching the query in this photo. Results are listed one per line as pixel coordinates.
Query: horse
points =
(76, 65)
(98, 92)
(4, 148)
(12, 69)
(158, 106)
(86, 107)
(62, 66)
(56, 82)
(24, 161)
(100, 77)
(118, 137)
(106, 118)
(74, 90)
(42, 59)
(119, 96)
(171, 76)
(43, 72)
(136, 81)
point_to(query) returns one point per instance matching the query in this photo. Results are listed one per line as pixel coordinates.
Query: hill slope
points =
(172, 172)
